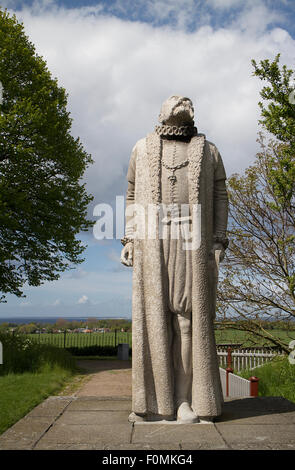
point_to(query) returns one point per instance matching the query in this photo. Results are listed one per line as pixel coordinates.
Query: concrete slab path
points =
(106, 378)
(99, 422)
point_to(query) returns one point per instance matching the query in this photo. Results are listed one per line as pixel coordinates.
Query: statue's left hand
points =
(127, 254)
(218, 247)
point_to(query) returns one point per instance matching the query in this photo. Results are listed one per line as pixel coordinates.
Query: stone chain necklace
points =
(172, 178)
(172, 168)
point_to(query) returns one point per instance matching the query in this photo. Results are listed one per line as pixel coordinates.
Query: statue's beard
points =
(180, 115)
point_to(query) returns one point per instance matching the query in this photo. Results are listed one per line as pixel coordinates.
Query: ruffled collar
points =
(176, 131)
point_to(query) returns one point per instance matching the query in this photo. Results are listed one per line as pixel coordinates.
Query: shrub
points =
(276, 378)
(21, 354)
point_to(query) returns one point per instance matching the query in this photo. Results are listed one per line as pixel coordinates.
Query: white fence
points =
(238, 359)
(234, 386)
(246, 358)
(223, 380)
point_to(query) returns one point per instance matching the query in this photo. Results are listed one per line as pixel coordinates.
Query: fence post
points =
(229, 359)
(65, 339)
(254, 386)
(115, 337)
(228, 371)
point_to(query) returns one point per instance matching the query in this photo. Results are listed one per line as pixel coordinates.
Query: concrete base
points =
(93, 423)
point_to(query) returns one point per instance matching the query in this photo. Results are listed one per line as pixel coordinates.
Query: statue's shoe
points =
(185, 414)
(134, 418)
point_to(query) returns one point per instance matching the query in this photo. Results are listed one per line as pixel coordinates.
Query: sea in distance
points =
(25, 320)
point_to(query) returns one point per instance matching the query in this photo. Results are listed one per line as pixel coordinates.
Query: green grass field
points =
(19, 393)
(81, 340)
(247, 340)
(109, 339)
(30, 373)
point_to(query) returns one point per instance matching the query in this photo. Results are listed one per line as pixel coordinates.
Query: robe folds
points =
(152, 368)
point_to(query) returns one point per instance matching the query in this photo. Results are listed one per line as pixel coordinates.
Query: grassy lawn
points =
(247, 340)
(82, 340)
(19, 393)
(30, 373)
(277, 378)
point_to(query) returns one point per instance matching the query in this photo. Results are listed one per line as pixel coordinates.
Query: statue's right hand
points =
(127, 254)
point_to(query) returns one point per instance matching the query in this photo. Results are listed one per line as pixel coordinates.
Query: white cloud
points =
(257, 19)
(163, 10)
(83, 299)
(118, 73)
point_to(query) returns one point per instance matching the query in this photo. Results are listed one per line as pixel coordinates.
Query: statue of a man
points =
(175, 373)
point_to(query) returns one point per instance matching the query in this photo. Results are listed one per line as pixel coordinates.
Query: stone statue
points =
(175, 372)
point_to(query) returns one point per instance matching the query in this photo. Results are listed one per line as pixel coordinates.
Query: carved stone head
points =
(177, 111)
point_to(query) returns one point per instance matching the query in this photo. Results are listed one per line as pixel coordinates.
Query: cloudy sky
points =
(118, 60)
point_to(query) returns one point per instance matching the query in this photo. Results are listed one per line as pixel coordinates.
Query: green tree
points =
(29, 328)
(278, 118)
(258, 277)
(43, 205)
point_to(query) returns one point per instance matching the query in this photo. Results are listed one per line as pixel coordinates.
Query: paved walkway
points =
(107, 378)
(82, 422)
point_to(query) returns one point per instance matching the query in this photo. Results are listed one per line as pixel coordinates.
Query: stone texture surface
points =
(165, 170)
(96, 423)
(257, 419)
(110, 378)
(165, 433)
(245, 435)
(51, 407)
(25, 433)
(95, 417)
(89, 433)
(48, 445)
(99, 404)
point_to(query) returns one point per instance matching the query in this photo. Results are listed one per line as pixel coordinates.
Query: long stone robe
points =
(152, 368)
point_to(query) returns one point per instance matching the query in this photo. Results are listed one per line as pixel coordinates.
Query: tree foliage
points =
(258, 279)
(43, 204)
(278, 118)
